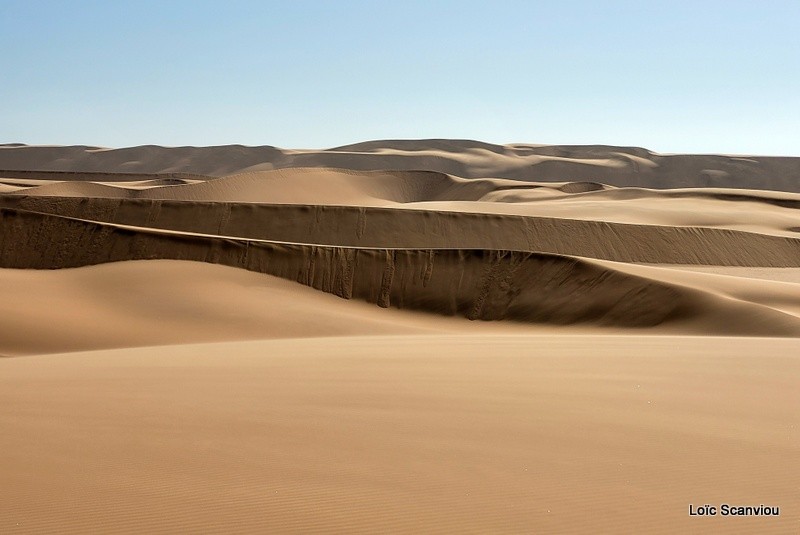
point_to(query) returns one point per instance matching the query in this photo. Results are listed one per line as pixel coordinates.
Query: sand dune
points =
(421, 229)
(397, 336)
(476, 284)
(305, 186)
(761, 212)
(617, 166)
(157, 302)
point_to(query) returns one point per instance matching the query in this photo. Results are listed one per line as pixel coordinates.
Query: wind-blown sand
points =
(412, 336)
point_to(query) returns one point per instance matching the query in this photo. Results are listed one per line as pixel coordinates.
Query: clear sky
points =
(679, 76)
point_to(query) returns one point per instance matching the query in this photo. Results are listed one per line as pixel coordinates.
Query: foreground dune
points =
(156, 302)
(457, 434)
(397, 336)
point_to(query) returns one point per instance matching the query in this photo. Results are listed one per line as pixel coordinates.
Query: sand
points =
(615, 166)
(475, 434)
(397, 336)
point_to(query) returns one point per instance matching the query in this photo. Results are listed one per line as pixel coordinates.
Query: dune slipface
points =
(405, 336)
(476, 284)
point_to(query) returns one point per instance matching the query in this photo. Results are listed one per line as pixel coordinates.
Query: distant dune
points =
(616, 166)
(404, 336)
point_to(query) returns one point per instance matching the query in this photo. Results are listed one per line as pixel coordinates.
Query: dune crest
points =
(476, 284)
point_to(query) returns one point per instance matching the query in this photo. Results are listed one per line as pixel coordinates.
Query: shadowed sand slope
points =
(388, 228)
(155, 302)
(476, 284)
(406, 434)
(618, 166)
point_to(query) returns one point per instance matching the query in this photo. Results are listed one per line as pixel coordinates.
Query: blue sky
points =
(693, 76)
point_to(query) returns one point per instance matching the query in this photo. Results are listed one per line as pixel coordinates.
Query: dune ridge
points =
(476, 284)
(382, 227)
(771, 213)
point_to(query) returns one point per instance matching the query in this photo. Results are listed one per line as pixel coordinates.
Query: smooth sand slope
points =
(433, 434)
(155, 302)
(397, 336)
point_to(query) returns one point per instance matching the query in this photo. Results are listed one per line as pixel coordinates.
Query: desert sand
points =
(397, 336)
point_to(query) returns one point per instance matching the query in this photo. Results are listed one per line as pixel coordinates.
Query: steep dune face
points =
(617, 166)
(476, 284)
(388, 228)
(771, 213)
(159, 302)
